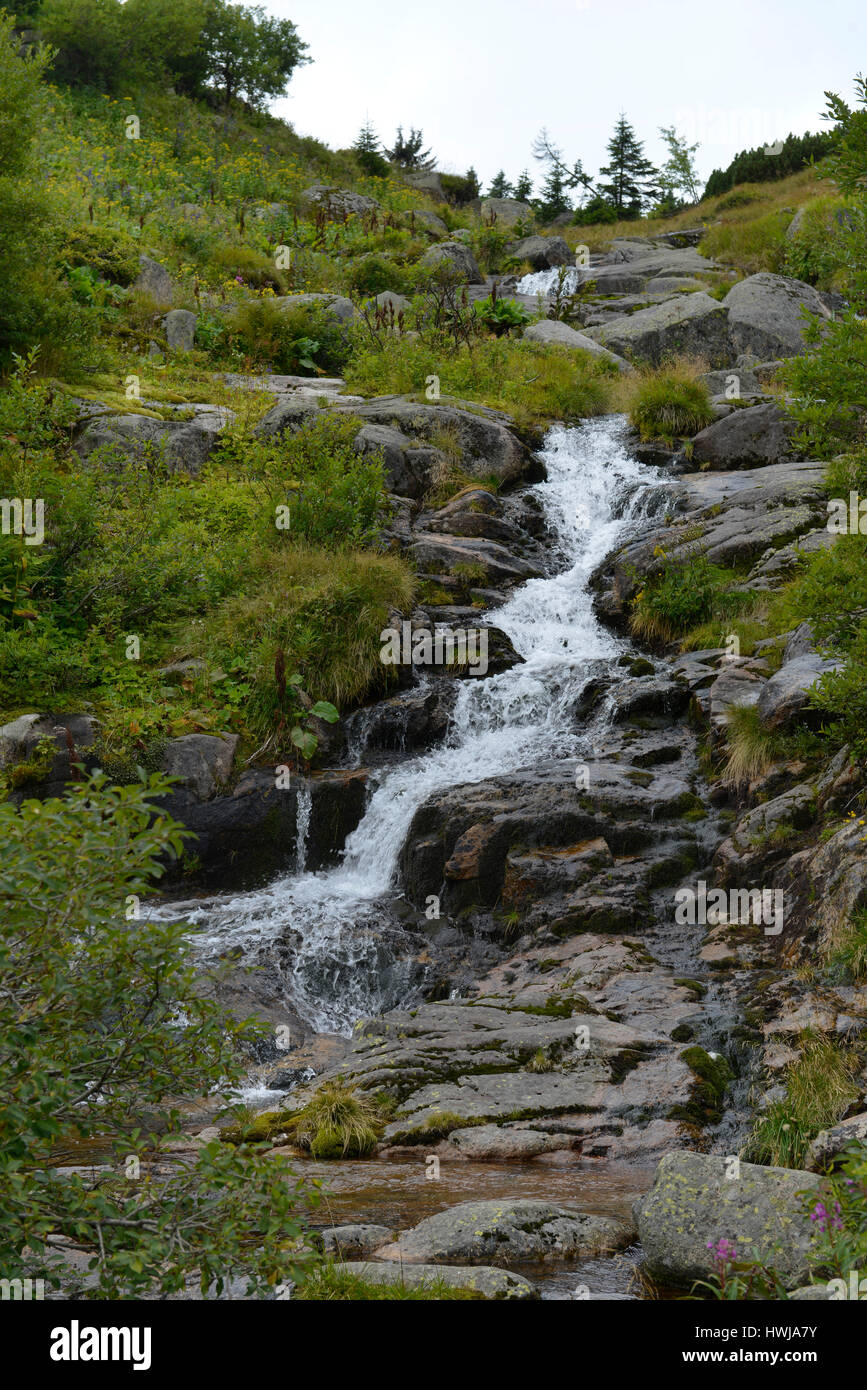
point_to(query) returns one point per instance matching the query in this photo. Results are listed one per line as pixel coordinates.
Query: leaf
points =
(307, 743)
(323, 710)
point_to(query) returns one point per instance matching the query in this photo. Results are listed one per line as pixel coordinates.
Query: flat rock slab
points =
(490, 1283)
(693, 1203)
(506, 1231)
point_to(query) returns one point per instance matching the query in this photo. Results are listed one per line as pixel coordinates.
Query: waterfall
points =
(302, 829)
(326, 929)
(545, 281)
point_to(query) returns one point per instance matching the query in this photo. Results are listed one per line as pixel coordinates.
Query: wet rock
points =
(354, 1241)
(490, 1283)
(413, 719)
(242, 837)
(505, 1232)
(694, 1203)
(784, 697)
(657, 696)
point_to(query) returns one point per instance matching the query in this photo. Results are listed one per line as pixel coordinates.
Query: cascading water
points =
(545, 281)
(326, 929)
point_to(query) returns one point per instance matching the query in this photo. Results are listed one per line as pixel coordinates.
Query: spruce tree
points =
(524, 186)
(500, 186)
(631, 178)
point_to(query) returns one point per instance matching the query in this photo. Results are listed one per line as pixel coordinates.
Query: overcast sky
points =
(481, 77)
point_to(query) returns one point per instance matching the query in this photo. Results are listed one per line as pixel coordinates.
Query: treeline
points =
(769, 162)
(206, 49)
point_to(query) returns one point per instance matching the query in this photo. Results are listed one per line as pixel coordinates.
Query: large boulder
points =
(694, 1203)
(335, 304)
(785, 695)
(749, 438)
(561, 335)
(182, 445)
(154, 280)
(201, 762)
(691, 324)
(543, 252)
(506, 211)
(506, 1231)
(179, 326)
(456, 255)
(766, 315)
(337, 202)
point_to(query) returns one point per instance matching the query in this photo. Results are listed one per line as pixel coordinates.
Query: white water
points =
(545, 281)
(326, 929)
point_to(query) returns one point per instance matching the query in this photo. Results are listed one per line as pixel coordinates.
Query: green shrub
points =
(295, 338)
(248, 267)
(828, 387)
(501, 315)
(94, 1059)
(670, 403)
(685, 592)
(373, 274)
(112, 254)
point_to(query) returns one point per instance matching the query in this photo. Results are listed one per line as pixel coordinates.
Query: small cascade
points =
(327, 931)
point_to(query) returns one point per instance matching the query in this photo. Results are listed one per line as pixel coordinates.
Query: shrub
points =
(847, 951)
(248, 266)
(683, 593)
(373, 274)
(670, 403)
(501, 315)
(94, 1055)
(295, 338)
(108, 252)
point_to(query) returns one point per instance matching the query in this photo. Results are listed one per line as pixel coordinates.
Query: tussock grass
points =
(670, 402)
(820, 1088)
(337, 1122)
(846, 952)
(751, 748)
(325, 608)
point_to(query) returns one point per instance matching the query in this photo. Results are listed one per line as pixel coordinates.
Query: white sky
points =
(481, 77)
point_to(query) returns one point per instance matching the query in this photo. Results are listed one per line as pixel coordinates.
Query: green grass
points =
(846, 952)
(532, 383)
(751, 748)
(327, 1284)
(820, 1088)
(338, 1122)
(670, 403)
